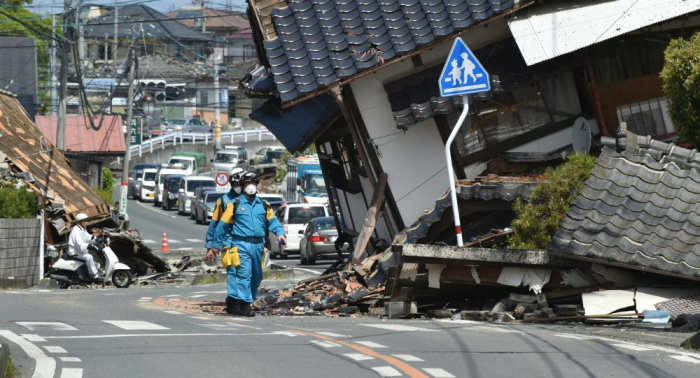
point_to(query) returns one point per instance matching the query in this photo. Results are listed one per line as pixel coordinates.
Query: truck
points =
(192, 162)
(304, 181)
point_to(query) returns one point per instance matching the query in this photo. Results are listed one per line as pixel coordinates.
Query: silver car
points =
(318, 239)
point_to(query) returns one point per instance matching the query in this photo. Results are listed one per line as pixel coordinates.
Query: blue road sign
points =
(463, 73)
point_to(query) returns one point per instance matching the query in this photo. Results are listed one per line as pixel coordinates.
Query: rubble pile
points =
(352, 290)
(132, 251)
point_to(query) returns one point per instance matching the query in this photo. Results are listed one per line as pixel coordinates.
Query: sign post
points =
(223, 183)
(135, 135)
(462, 74)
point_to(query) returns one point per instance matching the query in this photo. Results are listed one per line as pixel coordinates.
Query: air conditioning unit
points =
(649, 117)
(160, 96)
(236, 122)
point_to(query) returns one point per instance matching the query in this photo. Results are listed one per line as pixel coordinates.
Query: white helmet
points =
(81, 217)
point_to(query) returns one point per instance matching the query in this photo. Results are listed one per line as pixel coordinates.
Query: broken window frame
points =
(343, 156)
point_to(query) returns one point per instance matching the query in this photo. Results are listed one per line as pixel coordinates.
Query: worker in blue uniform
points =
(221, 205)
(247, 222)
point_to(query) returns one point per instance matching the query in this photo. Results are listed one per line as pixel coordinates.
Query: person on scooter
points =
(78, 243)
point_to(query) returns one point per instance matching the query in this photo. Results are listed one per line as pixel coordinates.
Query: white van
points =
(294, 218)
(163, 170)
(185, 194)
(228, 158)
(148, 184)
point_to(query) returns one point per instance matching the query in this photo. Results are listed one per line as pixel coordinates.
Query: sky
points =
(45, 6)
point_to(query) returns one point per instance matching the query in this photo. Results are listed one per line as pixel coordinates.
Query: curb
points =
(692, 343)
(4, 357)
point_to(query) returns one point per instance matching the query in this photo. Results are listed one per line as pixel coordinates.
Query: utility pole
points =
(53, 110)
(116, 31)
(217, 111)
(63, 94)
(129, 113)
(81, 45)
(204, 20)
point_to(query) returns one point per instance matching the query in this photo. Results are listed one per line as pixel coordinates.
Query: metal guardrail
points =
(176, 138)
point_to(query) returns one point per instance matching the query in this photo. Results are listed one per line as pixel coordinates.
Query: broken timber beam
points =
(370, 220)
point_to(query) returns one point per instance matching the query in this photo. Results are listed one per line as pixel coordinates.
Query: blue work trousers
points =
(244, 281)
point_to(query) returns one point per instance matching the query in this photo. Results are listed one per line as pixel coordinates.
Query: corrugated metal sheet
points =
(81, 138)
(555, 28)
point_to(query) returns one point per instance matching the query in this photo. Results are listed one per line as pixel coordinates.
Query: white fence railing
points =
(175, 138)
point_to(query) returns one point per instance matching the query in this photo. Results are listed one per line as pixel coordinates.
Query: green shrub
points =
(107, 190)
(681, 83)
(17, 203)
(537, 221)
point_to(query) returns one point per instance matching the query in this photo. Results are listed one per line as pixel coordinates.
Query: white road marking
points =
(173, 299)
(331, 334)
(497, 329)
(408, 357)
(358, 356)
(686, 359)
(197, 296)
(71, 373)
(86, 337)
(200, 317)
(69, 359)
(149, 241)
(146, 298)
(55, 349)
(172, 216)
(632, 347)
(173, 241)
(170, 296)
(47, 326)
(195, 240)
(174, 312)
(285, 333)
(185, 249)
(230, 325)
(386, 371)
(575, 337)
(45, 366)
(135, 325)
(458, 321)
(438, 373)
(370, 344)
(33, 338)
(399, 327)
(325, 344)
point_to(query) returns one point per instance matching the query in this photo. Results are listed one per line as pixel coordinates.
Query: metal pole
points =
(217, 103)
(450, 171)
(63, 94)
(129, 113)
(81, 47)
(116, 31)
(54, 78)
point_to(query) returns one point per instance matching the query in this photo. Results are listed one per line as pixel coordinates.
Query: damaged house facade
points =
(359, 79)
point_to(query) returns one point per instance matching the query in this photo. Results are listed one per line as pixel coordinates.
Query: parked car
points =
(294, 219)
(197, 194)
(192, 125)
(318, 239)
(164, 170)
(262, 154)
(185, 192)
(135, 178)
(275, 200)
(171, 185)
(147, 186)
(228, 158)
(204, 206)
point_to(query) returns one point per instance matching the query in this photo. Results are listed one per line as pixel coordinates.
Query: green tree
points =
(681, 83)
(537, 221)
(107, 190)
(17, 203)
(31, 22)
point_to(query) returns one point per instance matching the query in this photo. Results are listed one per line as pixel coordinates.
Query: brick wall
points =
(19, 252)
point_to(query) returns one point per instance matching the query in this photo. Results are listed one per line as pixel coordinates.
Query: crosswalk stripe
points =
(174, 312)
(370, 344)
(438, 373)
(69, 359)
(358, 356)
(149, 241)
(197, 296)
(173, 241)
(386, 371)
(135, 325)
(170, 296)
(33, 338)
(195, 240)
(399, 327)
(331, 334)
(55, 349)
(408, 357)
(325, 344)
(47, 326)
(71, 373)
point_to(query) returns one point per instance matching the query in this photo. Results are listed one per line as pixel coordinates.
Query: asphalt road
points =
(183, 233)
(135, 333)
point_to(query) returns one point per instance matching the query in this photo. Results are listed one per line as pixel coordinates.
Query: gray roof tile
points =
(322, 41)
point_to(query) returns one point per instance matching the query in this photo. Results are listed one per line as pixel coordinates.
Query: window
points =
(203, 98)
(192, 185)
(301, 215)
(248, 52)
(649, 117)
(149, 176)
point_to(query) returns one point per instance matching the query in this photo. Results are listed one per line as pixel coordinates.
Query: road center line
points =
(406, 368)
(45, 366)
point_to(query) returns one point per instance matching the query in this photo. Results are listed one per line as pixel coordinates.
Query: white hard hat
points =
(80, 217)
(236, 170)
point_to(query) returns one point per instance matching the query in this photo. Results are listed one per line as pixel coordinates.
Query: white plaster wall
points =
(555, 140)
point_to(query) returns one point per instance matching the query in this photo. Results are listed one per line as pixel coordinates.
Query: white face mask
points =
(250, 190)
(237, 190)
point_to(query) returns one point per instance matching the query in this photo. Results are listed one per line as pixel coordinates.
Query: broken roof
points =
(639, 209)
(158, 25)
(29, 151)
(82, 138)
(311, 44)
(214, 18)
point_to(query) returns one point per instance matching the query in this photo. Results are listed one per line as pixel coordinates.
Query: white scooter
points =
(71, 270)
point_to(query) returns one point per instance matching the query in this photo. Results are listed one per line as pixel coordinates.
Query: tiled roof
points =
(482, 190)
(319, 42)
(639, 208)
(215, 18)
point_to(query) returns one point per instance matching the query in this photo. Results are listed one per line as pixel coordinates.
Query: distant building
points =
(18, 70)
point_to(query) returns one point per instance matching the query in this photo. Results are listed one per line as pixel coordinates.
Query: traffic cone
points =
(164, 247)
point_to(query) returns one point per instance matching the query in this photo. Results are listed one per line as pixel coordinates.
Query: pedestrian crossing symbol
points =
(463, 73)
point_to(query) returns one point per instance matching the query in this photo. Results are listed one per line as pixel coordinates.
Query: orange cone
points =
(164, 247)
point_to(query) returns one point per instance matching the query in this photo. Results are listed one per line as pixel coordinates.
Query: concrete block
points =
(566, 310)
(693, 342)
(474, 315)
(377, 311)
(524, 308)
(400, 309)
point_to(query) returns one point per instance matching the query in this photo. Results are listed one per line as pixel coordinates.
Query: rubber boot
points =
(230, 304)
(246, 310)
